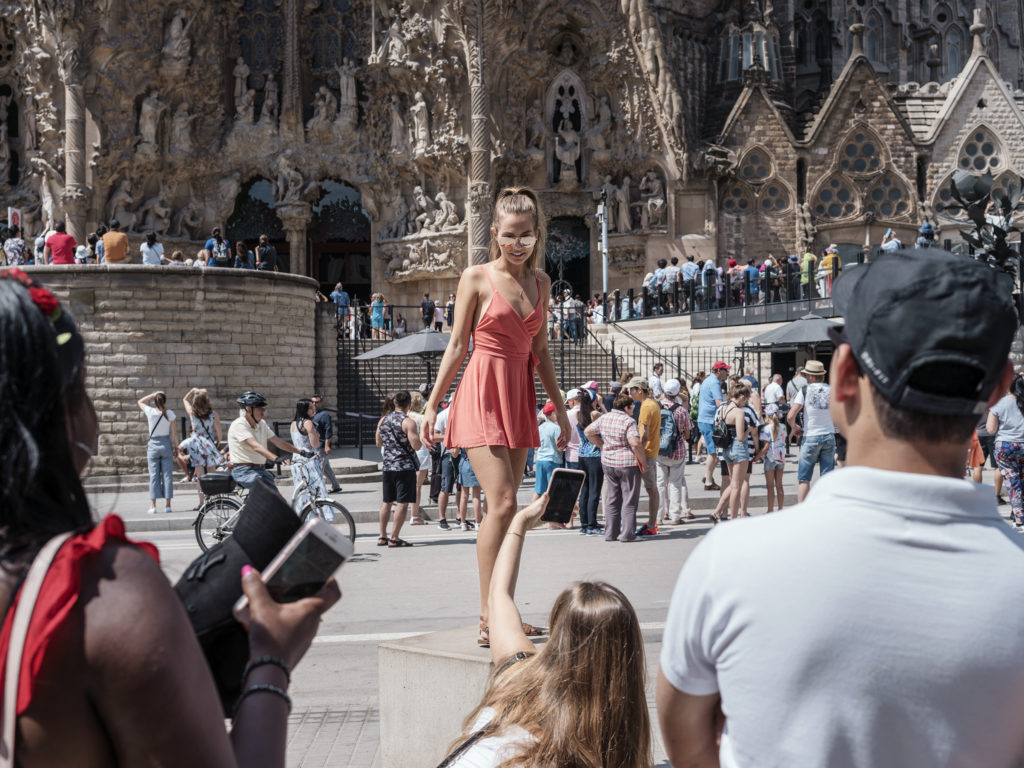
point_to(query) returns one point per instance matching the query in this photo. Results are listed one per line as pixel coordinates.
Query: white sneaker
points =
(168, 510)
(151, 511)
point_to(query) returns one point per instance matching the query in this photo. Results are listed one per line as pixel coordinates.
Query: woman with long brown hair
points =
(163, 433)
(493, 413)
(580, 700)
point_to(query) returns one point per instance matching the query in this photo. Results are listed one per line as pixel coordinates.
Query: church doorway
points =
(339, 236)
(254, 215)
(568, 256)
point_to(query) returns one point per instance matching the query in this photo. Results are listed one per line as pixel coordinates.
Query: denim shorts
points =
(770, 465)
(706, 427)
(820, 450)
(738, 451)
(467, 477)
(543, 470)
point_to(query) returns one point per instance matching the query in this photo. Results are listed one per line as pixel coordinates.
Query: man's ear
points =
(1005, 380)
(844, 374)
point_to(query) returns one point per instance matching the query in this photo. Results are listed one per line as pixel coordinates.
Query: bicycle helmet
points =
(251, 399)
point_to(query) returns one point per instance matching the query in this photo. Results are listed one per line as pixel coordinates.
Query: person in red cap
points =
(710, 398)
(547, 456)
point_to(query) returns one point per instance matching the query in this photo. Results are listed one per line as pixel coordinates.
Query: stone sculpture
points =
(245, 108)
(154, 214)
(425, 209)
(188, 221)
(241, 75)
(5, 153)
(149, 119)
(536, 131)
(567, 149)
(270, 100)
(624, 216)
(653, 207)
(420, 123)
(598, 135)
(120, 205)
(181, 130)
(325, 107)
(177, 48)
(446, 219)
(399, 141)
(289, 180)
(394, 51)
(346, 83)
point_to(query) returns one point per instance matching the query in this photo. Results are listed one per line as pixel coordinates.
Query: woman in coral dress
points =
(493, 412)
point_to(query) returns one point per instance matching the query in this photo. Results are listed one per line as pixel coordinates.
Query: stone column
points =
(75, 196)
(295, 217)
(291, 85)
(479, 193)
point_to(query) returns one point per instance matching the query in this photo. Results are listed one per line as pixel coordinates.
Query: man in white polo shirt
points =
(879, 623)
(774, 392)
(248, 437)
(818, 431)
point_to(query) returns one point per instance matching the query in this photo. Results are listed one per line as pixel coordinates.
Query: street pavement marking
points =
(382, 637)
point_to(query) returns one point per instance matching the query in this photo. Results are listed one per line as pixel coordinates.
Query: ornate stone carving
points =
(268, 114)
(425, 210)
(624, 214)
(121, 205)
(420, 122)
(241, 74)
(628, 260)
(598, 134)
(289, 180)
(423, 255)
(399, 139)
(245, 109)
(149, 122)
(177, 50)
(325, 109)
(181, 131)
(188, 221)
(653, 207)
(154, 214)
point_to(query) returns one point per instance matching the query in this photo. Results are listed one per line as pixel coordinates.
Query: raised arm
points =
(466, 303)
(505, 624)
(546, 368)
(144, 401)
(187, 400)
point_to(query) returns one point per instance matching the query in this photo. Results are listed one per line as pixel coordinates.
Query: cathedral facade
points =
(367, 139)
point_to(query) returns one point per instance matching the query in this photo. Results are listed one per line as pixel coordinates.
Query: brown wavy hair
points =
(582, 696)
(201, 406)
(516, 200)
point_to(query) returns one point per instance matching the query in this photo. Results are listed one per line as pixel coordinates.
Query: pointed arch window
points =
(836, 199)
(981, 152)
(954, 49)
(874, 42)
(861, 153)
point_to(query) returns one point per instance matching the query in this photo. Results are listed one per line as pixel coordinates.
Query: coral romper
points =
(495, 403)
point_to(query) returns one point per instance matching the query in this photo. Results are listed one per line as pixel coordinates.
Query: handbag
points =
(19, 632)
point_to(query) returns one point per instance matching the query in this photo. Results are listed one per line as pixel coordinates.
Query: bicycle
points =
(321, 506)
(218, 515)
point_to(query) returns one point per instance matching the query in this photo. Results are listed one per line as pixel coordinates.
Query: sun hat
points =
(638, 382)
(814, 367)
(931, 329)
(671, 387)
(926, 229)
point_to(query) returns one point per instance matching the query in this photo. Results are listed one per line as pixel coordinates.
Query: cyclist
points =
(247, 443)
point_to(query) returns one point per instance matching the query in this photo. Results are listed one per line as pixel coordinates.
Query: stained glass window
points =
(836, 199)
(261, 35)
(860, 154)
(332, 34)
(981, 153)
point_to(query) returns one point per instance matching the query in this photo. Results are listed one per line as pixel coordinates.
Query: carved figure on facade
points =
(325, 108)
(426, 210)
(567, 150)
(536, 131)
(399, 225)
(628, 261)
(433, 256)
(289, 180)
(189, 220)
(121, 205)
(181, 130)
(653, 207)
(241, 74)
(611, 208)
(420, 123)
(245, 109)
(624, 216)
(149, 120)
(270, 101)
(346, 83)
(399, 140)
(154, 214)
(177, 49)
(446, 219)
(394, 50)
(597, 137)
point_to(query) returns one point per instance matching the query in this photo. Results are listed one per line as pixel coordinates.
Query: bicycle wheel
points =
(334, 513)
(210, 521)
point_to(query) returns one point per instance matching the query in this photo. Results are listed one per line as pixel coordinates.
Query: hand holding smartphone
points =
(303, 566)
(563, 490)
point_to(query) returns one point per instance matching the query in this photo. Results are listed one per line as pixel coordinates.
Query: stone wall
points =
(174, 328)
(326, 377)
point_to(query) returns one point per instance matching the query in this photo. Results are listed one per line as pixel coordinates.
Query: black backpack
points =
(720, 433)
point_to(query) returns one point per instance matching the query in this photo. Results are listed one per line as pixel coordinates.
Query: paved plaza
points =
(391, 594)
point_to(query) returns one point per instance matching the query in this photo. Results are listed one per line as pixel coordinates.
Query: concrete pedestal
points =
(428, 685)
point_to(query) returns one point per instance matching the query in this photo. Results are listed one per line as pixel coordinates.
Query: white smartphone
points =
(307, 562)
(563, 490)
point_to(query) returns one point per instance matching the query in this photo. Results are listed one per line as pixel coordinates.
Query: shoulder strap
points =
(163, 416)
(487, 272)
(19, 630)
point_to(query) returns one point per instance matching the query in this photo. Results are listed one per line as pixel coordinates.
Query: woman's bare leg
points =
(778, 488)
(421, 475)
(739, 469)
(769, 482)
(500, 472)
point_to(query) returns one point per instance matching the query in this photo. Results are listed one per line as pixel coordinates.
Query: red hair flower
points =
(43, 299)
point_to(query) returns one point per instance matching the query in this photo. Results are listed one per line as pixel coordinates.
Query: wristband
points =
(262, 688)
(263, 661)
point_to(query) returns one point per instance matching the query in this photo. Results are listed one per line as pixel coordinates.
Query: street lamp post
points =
(602, 215)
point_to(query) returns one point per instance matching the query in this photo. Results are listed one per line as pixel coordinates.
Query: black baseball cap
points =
(931, 329)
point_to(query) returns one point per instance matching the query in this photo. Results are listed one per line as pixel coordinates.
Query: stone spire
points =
(978, 29)
(857, 31)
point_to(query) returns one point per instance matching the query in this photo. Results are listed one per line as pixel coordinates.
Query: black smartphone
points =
(563, 490)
